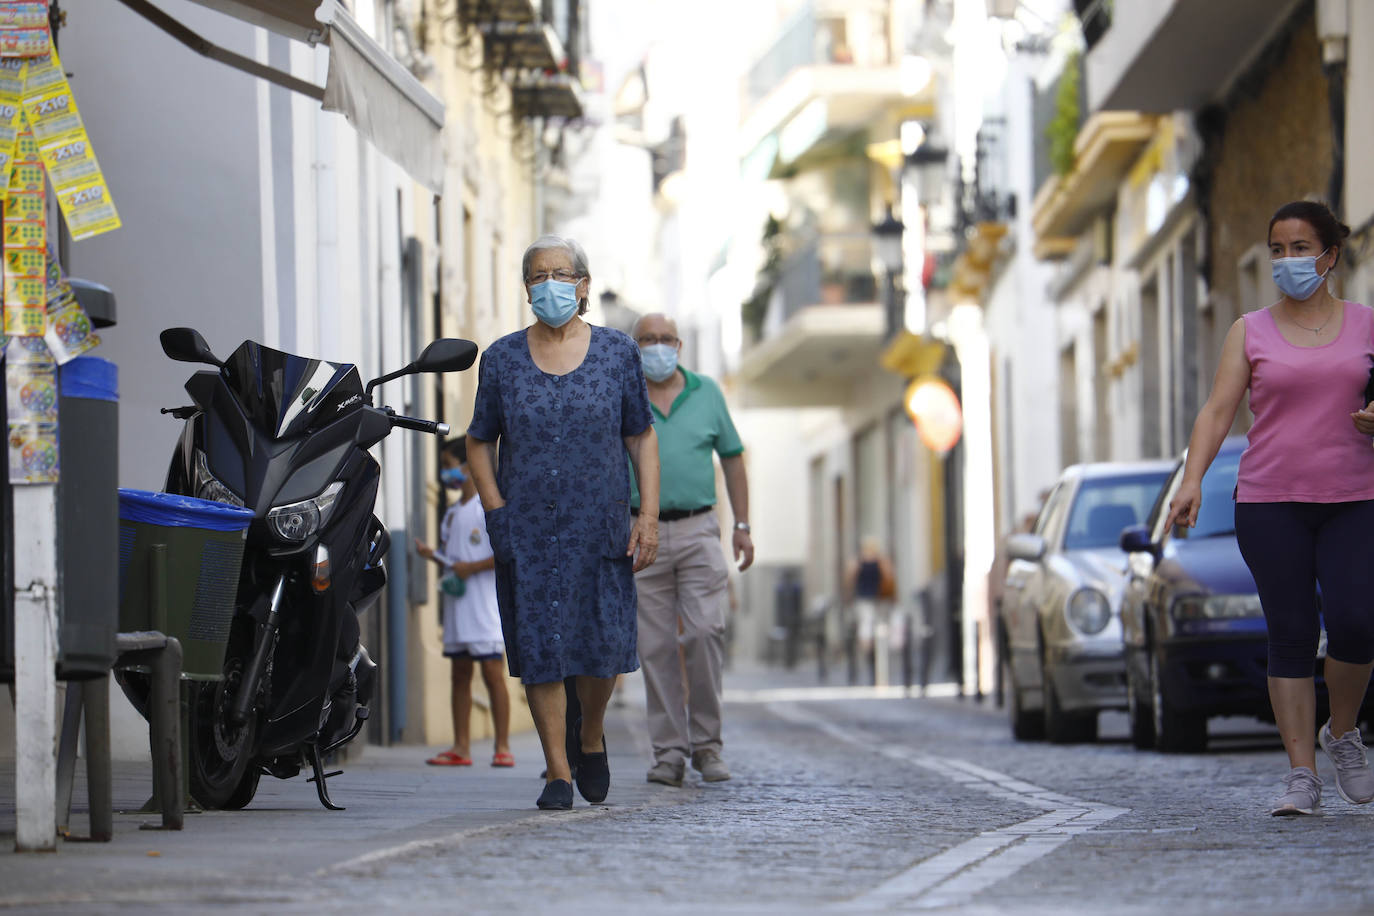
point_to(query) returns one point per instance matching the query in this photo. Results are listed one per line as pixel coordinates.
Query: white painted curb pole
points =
(35, 666)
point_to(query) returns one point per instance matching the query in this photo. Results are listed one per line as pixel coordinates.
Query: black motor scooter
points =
(287, 437)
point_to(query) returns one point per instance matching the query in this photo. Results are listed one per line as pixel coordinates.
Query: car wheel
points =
(1140, 711)
(1025, 725)
(1174, 730)
(1065, 727)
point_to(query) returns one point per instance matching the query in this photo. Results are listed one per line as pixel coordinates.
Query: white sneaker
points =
(1302, 794)
(1354, 778)
(711, 767)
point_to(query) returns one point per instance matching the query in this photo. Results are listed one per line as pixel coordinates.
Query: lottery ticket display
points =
(31, 426)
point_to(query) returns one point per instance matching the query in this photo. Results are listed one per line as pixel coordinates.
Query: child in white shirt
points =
(471, 618)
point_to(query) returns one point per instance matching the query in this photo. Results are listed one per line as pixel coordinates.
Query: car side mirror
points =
(185, 345)
(1136, 539)
(1026, 547)
(447, 354)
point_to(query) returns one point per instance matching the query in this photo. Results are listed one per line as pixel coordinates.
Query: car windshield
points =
(1216, 516)
(1105, 505)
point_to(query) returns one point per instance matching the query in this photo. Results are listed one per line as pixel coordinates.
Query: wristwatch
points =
(742, 526)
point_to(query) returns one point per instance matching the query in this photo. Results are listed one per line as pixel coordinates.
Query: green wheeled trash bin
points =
(179, 560)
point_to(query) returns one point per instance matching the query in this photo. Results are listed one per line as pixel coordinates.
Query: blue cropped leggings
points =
(1290, 549)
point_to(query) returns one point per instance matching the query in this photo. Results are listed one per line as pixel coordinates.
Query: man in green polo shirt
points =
(683, 594)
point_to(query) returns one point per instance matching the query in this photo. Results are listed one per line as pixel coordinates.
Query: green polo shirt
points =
(698, 424)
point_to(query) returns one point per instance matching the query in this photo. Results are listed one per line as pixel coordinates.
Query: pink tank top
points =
(1303, 446)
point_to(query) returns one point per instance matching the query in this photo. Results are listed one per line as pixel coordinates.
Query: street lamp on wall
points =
(930, 166)
(887, 250)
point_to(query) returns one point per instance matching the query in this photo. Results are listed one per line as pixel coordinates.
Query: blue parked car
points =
(1191, 622)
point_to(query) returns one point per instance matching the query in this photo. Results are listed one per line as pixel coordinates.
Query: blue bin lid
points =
(173, 511)
(89, 377)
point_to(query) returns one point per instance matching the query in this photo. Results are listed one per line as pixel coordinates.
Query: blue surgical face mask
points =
(452, 477)
(1297, 278)
(554, 302)
(660, 361)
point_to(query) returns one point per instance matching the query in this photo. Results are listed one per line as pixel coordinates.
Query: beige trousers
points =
(687, 583)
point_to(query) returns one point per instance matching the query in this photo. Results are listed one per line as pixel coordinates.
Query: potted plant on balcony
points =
(833, 288)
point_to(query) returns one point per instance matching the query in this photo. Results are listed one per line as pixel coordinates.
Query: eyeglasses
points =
(647, 341)
(565, 276)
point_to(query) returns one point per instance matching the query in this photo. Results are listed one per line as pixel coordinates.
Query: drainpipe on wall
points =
(392, 328)
(1333, 29)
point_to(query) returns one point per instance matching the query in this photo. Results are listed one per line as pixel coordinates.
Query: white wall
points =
(1359, 124)
(177, 137)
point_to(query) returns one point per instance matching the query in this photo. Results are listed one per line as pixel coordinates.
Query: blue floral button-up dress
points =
(564, 584)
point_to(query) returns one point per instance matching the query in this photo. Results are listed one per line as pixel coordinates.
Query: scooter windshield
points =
(285, 394)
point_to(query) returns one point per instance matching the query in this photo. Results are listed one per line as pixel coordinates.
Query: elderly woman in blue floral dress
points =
(566, 401)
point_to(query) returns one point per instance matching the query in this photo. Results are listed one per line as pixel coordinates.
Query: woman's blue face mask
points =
(452, 477)
(554, 302)
(1297, 278)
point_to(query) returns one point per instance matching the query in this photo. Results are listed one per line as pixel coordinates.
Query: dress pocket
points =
(498, 533)
(618, 526)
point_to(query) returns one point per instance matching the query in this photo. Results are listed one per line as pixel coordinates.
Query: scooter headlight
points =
(295, 522)
(208, 486)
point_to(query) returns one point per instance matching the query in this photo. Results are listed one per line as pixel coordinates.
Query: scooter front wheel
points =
(220, 766)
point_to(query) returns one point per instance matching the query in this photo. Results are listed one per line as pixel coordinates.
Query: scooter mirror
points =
(185, 345)
(447, 354)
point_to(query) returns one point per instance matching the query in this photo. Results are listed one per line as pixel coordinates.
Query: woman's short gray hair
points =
(546, 242)
(574, 250)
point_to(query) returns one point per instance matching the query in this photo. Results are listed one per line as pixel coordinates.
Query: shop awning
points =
(365, 84)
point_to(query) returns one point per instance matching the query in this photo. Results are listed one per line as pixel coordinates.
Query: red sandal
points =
(449, 759)
(503, 759)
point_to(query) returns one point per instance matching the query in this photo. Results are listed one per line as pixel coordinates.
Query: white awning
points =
(383, 100)
(378, 96)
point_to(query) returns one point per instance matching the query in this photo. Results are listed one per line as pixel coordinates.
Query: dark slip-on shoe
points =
(557, 795)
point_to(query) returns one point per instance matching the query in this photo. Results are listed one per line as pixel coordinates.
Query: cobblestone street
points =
(840, 802)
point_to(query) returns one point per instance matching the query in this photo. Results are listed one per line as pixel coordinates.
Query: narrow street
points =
(838, 804)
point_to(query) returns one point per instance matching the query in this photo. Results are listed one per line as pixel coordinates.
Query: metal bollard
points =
(165, 724)
(95, 697)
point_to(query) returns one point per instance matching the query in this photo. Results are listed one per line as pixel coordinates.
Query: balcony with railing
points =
(823, 325)
(1168, 55)
(830, 71)
(1081, 162)
(534, 46)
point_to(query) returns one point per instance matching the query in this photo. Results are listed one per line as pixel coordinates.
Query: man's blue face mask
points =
(660, 361)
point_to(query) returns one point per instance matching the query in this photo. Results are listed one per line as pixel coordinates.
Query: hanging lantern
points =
(934, 408)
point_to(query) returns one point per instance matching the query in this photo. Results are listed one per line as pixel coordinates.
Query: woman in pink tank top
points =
(1304, 495)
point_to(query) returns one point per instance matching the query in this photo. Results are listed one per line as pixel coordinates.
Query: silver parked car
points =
(1059, 624)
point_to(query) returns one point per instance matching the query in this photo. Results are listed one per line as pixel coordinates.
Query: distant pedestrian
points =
(1305, 494)
(871, 587)
(470, 616)
(566, 401)
(683, 596)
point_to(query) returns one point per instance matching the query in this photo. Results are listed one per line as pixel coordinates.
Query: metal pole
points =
(35, 660)
(95, 697)
(66, 756)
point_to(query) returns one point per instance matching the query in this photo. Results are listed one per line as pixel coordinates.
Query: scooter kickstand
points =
(321, 787)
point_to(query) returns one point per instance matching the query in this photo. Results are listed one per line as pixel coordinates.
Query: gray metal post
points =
(165, 724)
(66, 756)
(95, 696)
